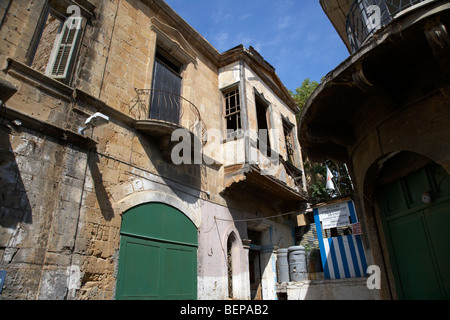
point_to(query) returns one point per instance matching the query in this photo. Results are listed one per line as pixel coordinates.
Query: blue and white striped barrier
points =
(342, 256)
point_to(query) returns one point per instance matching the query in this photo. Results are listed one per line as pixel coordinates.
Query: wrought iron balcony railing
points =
(167, 107)
(367, 16)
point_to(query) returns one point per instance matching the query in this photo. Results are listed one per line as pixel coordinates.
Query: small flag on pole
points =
(330, 184)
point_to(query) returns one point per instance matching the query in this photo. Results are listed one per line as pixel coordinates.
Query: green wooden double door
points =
(418, 233)
(158, 255)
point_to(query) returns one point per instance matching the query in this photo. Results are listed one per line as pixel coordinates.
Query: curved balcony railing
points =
(367, 16)
(168, 107)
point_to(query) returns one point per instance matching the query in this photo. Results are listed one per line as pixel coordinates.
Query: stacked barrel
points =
(291, 264)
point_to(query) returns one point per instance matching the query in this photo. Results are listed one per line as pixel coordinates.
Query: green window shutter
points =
(63, 55)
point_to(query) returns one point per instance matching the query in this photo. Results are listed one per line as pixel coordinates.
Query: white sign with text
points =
(334, 215)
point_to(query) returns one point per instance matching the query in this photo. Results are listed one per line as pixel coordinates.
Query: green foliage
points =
(316, 177)
(303, 92)
(316, 173)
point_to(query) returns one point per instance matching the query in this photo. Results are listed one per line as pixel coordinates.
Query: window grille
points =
(233, 110)
(288, 138)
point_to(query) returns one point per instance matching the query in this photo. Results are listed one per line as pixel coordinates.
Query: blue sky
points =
(294, 36)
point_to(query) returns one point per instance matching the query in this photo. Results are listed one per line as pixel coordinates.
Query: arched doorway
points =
(158, 254)
(232, 265)
(416, 227)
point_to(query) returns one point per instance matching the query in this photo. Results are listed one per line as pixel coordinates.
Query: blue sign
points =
(2, 279)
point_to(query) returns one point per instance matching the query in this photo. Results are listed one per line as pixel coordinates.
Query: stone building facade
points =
(385, 112)
(178, 179)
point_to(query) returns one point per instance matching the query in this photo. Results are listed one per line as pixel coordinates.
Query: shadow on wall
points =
(189, 175)
(14, 203)
(100, 190)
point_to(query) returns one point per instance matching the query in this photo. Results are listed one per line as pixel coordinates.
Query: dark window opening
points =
(168, 61)
(263, 127)
(255, 264)
(165, 102)
(289, 140)
(230, 267)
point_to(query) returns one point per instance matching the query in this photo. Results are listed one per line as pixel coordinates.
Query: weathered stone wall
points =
(120, 62)
(41, 187)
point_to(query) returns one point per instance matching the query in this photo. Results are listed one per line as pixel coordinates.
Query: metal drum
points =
(282, 266)
(297, 263)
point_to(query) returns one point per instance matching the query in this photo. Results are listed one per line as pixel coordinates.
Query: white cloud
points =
(312, 37)
(221, 40)
(284, 22)
(245, 16)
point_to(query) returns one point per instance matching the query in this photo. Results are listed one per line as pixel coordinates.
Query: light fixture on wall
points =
(96, 120)
(426, 197)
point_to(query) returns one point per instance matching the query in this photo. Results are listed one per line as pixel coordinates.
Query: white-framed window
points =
(233, 110)
(66, 44)
(56, 44)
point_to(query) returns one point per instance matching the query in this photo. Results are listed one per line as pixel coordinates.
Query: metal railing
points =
(165, 106)
(365, 17)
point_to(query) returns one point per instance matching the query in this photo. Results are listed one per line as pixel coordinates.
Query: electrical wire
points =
(258, 219)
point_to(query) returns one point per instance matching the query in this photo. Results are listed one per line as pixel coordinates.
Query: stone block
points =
(53, 284)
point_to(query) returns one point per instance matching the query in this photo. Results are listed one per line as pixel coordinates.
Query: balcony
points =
(365, 17)
(403, 65)
(159, 113)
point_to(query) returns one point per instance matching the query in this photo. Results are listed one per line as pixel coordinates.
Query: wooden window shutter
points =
(63, 55)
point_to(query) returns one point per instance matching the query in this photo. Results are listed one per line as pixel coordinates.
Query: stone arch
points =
(387, 168)
(151, 196)
(403, 162)
(232, 230)
(233, 248)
